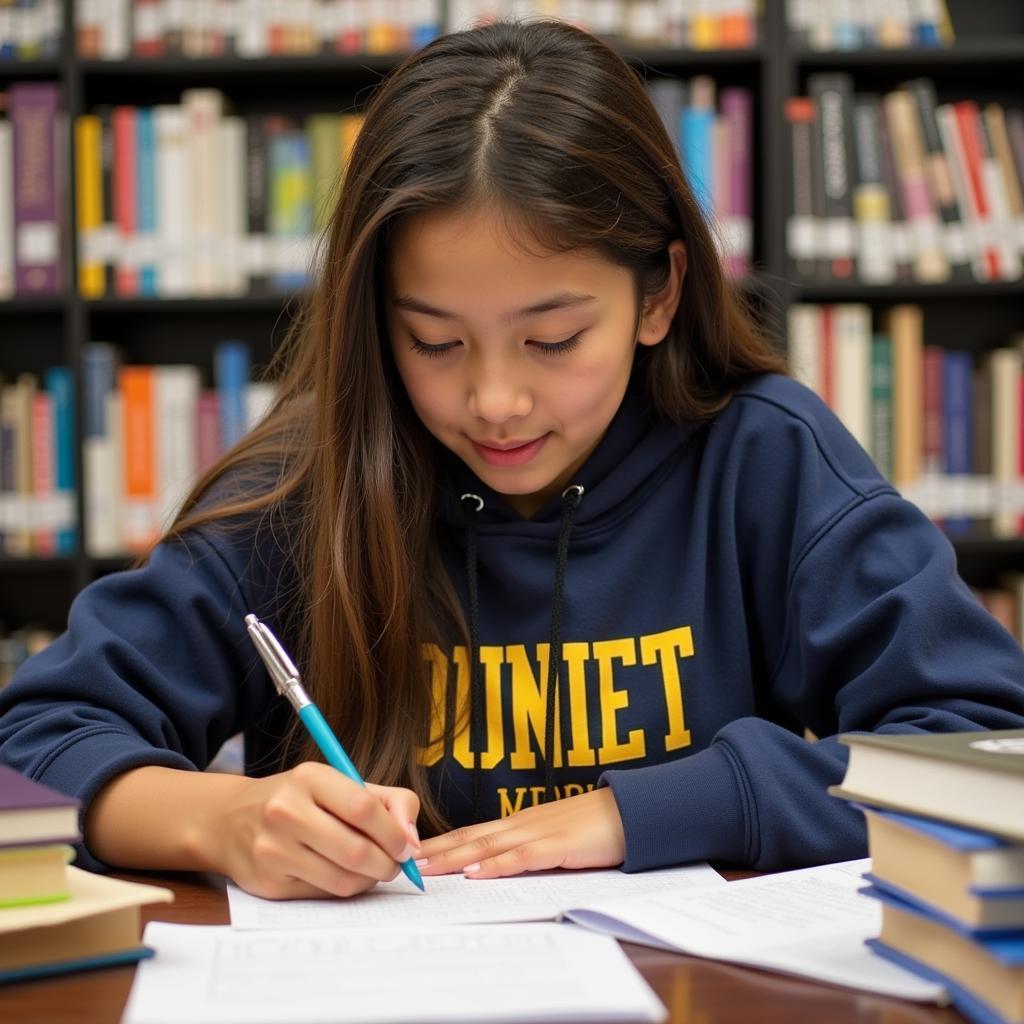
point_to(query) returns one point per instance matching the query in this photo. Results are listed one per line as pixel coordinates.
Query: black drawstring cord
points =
(471, 506)
(571, 498)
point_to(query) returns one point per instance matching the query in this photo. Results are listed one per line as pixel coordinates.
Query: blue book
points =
(58, 382)
(957, 372)
(966, 876)
(231, 375)
(983, 975)
(82, 963)
(145, 183)
(696, 134)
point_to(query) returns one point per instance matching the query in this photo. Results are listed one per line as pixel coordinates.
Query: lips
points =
(509, 453)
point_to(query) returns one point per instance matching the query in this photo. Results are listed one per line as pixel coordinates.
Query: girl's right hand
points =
(311, 832)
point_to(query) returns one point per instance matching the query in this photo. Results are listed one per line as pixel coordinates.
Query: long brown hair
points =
(551, 125)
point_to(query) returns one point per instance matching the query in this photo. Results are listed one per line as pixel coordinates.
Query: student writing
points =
(566, 559)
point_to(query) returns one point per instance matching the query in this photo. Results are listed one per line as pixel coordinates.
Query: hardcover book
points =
(33, 813)
(975, 779)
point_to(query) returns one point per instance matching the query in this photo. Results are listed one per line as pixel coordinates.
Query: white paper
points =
(455, 899)
(523, 972)
(810, 923)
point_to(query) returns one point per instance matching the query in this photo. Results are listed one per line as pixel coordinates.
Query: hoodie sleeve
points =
(155, 668)
(869, 629)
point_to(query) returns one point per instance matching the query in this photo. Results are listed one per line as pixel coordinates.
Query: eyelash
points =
(437, 351)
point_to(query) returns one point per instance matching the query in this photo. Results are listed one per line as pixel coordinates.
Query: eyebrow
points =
(563, 300)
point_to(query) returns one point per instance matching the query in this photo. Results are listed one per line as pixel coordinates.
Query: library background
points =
(165, 166)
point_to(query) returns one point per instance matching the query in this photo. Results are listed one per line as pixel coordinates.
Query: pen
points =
(286, 680)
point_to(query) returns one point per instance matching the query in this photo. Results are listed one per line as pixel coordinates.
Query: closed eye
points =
(548, 348)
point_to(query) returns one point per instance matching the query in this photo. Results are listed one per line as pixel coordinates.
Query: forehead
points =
(475, 253)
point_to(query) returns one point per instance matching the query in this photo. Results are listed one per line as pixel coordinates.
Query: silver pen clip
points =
(283, 672)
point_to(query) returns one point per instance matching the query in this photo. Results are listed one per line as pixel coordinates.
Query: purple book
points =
(736, 106)
(32, 814)
(37, 246)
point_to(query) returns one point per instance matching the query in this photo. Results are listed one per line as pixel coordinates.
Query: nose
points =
(499, 392)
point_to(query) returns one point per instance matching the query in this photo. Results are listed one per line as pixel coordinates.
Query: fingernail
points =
(406, 853)
(422, 862)
(413, 834)
(469, 869)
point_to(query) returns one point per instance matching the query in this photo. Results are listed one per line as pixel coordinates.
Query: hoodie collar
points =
(635, 444)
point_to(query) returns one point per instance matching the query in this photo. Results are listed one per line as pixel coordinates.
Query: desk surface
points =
(695, 991)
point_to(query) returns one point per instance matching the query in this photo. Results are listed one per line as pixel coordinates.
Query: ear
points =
(660, 308)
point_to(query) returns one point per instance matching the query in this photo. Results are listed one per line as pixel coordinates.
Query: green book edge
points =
(31, 901)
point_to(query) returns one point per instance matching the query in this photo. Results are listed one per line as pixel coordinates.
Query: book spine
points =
(107, 240)
(175, 394)
(958, 443)
(737, 112)
(1002, 207)
(44, 541)
(231, 375)
(899, 228)
(804, 344)
(929, 258)
(1005, 369)
(695, 131)
(146, 171)
(833, 96)
(6, 210)
(905, 328)
(208, 430)
(138, 438)
(124, 123)
(60, 387)
(881, 404)
(1013, 182)
(89, 195)
(932, 458)
(940, 180)
(802, 227)
(852, 348)
(870, 198)
(257, 186)
(968, 125)
(37, 234)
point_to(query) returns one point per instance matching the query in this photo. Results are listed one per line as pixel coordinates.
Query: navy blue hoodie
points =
(725, 587)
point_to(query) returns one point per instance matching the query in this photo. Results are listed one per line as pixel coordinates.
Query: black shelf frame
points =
(775, 68)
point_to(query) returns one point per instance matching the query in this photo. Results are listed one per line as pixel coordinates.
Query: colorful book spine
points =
(59, 385)
(231, 374)
(37, 229)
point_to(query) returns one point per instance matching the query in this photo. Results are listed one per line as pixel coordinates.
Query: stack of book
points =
(945, 817)
(55, 918)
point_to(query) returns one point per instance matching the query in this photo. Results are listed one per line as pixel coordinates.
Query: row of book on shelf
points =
(863, 24)
(55, 917)
(117, 29)
(942, 424)
(945, 826)
(901, 187)
(31, 29)
(149, 433)
(191, 199)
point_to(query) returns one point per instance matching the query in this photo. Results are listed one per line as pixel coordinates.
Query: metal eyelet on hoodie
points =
(472, 505)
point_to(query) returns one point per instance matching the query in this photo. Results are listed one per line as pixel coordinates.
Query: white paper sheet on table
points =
(493, 973)
(811, 923)
(454, 899)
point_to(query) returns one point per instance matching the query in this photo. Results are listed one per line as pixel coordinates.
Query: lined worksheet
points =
(454, 899)
(218, 975)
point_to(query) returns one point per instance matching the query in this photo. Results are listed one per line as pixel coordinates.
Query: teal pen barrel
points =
(328, 743)
(336, 757)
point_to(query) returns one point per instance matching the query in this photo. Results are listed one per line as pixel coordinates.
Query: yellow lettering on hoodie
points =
(667, 648)
(529, 700)
(613, 701)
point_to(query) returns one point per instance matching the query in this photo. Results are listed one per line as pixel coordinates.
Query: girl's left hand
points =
(582, 831)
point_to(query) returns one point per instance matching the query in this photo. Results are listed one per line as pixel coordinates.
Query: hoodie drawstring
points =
(471, 506)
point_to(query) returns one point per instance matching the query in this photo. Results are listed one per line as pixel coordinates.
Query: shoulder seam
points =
(826, 455)
(838, 516)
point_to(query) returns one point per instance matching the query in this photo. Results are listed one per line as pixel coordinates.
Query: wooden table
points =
(695, 991)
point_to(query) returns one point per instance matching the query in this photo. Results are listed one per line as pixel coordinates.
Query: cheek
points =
(590, 394)
(430, 395)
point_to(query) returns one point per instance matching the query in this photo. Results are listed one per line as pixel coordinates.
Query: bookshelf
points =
(36, 333)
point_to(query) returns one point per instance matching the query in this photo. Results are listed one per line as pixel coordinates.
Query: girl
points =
(566, 560)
